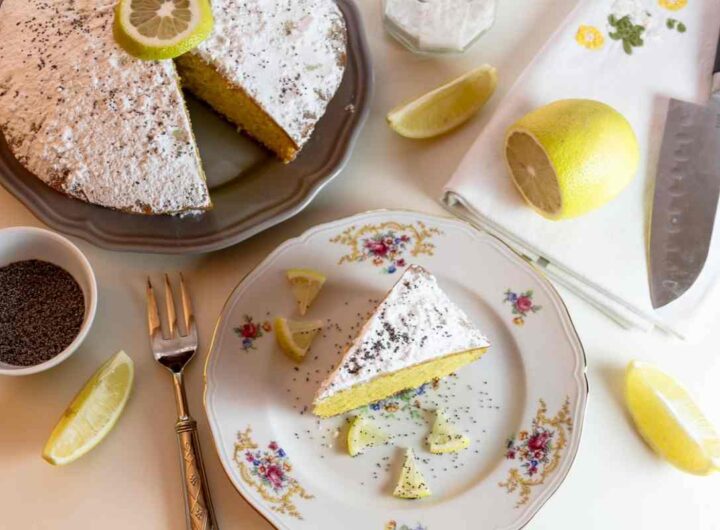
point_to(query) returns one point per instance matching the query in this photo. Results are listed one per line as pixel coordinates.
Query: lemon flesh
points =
(305, 285)
(446, 107)
(412, 483)
(93, 412)
(670, 421)
(571, 157)
(444, 438)
(161, 29)
(295, 337)
(363, 433)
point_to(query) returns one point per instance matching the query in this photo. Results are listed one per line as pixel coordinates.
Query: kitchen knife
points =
(686, 195)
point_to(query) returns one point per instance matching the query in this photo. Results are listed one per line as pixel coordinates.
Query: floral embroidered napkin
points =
(633, 55)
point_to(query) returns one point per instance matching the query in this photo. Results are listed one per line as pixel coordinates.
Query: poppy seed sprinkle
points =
(42, 309)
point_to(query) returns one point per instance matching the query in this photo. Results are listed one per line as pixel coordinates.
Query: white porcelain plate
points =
(522, 404)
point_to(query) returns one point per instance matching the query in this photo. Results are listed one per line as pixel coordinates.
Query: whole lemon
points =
(571, 156)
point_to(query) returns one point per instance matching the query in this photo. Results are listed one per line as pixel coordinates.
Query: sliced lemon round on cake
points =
(93, 412)
(412, 483)
(571, 156)
(669, 420)
(364, 433)
(446, 107)
(305, 285)
(161, 29)
(444, 438)
(295, 337)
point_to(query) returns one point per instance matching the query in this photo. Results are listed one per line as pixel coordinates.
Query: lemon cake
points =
(90, 120)
(270, 67)
(415, 335)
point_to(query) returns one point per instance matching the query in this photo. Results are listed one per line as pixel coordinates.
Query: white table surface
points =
(132, 479)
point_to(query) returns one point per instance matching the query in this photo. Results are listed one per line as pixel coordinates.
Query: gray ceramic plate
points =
(251, 190)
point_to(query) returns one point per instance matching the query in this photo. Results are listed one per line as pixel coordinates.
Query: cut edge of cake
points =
(426, 367)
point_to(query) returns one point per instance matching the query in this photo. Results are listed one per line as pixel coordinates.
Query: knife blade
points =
(686, 197)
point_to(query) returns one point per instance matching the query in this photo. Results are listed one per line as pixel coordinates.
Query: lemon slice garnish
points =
(446, 107)
(305, 285)
(670, 421)
(93, 412)
(571, 156)
(412, 483)
(295, 337)
(161, 29)
(444, 438)
(363, 433)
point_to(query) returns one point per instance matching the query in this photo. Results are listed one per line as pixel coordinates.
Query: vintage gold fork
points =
(174, 353)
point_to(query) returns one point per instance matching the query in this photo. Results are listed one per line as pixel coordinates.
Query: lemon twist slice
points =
(446, 107)
(670, 421)
(444, 438)
(93, 412)
(295, 337)
(305, 285)
(571, 156)
(412, 483)
(363, 433)
(161, 29)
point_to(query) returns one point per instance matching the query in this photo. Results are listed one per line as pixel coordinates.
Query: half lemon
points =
(305, 285)
(161, 29)
(93, 412)
(295, 337)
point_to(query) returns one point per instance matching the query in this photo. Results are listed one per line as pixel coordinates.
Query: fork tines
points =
(154, 322)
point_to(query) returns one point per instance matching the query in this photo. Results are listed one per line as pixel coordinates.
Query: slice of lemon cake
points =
(270, 67)
(90, 120)
(414, 336)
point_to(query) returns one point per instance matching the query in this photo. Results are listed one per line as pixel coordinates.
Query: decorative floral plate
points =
(522, 404)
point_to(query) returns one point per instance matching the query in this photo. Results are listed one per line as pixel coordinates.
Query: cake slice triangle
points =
(415, 335)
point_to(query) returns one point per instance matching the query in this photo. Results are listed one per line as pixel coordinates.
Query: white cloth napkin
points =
(602, 256)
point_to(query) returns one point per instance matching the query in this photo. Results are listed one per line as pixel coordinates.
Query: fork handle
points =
(199, 511)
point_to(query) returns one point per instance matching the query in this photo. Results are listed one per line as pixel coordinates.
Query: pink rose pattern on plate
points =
(522, 305)
(250, 331)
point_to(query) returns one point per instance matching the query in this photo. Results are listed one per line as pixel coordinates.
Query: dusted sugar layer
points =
(271, 67)
(415, 335)
(90, 120)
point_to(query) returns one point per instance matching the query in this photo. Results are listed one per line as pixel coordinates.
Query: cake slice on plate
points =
(271, 67)
(415, 335)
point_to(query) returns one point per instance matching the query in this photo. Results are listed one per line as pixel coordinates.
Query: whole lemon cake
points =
(90, 120)
(415, 335)
(271, 67)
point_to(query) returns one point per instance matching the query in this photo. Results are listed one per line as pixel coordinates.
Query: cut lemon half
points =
(295, 337)
(444, 438)
(93, 412)
(571, 156)
(161, 29)
(670, 421)
(363, 433)
(305, 285)
(446, 107)
(412, 483)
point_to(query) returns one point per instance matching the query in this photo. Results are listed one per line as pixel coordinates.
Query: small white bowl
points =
(24, 243)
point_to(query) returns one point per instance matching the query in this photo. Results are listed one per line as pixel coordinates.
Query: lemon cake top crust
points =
(415, 323)
(288, 55)
(87, 118)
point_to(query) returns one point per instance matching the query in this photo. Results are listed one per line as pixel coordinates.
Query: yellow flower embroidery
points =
(591, 38)
(673, 5)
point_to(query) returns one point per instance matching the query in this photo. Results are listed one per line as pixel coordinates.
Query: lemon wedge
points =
(305, 285)
(446, 107)
(93, 412)
(412, 483)
(444, 438)
(571, 156)
(161, 29)
(670, 421)
(363, 433)
(295, 337)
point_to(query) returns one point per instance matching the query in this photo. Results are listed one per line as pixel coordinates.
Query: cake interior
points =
(235, 104)
(390, 384)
